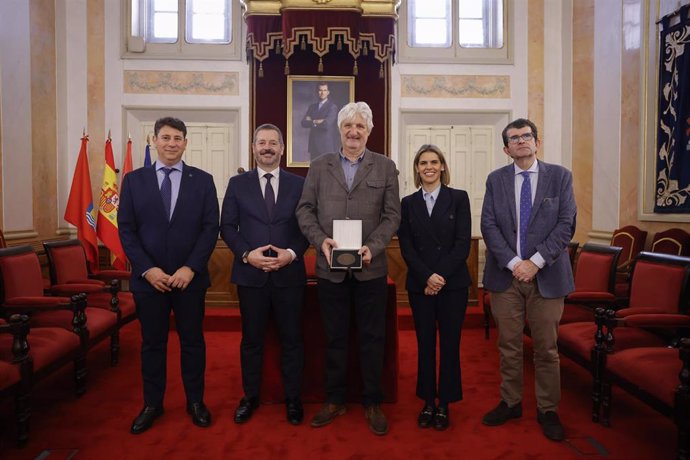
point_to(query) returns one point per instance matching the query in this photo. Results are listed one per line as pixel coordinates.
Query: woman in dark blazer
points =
(435, 235)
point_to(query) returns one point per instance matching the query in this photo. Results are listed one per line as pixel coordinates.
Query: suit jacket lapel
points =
(542, 186)
(185, 184)
(254, 189)
(422, 214)
(336, 170)
(364, 168)
(508, 183)
(283, 190)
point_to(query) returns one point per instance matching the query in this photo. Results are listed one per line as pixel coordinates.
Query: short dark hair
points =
(322, 83)
(517, 124)
(175, 123)
(445, 173)
(270, 127)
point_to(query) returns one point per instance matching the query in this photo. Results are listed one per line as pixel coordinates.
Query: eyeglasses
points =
(525, 137)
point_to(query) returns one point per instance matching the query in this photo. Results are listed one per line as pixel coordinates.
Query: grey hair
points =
(351, 110)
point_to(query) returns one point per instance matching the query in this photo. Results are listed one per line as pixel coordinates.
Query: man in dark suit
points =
(528, 219)
(321, 120)
(168, 223)
(361, 185)
(259, 225)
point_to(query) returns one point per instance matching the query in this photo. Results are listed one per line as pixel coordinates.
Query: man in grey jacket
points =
(362, 185)
(528, 219)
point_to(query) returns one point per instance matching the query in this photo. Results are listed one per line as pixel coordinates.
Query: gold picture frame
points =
(311, 127)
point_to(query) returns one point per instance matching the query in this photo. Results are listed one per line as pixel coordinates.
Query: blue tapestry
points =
(673, 132)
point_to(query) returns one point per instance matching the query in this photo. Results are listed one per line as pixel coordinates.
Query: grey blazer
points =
(374, 199)
(551, 227)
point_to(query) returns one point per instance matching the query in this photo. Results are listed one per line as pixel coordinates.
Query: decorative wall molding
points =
(456, 86)
(195, 83)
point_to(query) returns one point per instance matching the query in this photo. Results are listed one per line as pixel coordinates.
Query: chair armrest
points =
(625, 312)
(18, 326)
(107, 275)
(591, 297)
(29, 305)
(664, 320)
(72, 289)
(95, 282)
(35, 304)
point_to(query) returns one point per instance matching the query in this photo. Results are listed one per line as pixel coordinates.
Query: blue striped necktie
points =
(525, 211)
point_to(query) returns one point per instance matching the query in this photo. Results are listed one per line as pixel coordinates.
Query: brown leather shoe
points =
(377, 421)
(327, 414)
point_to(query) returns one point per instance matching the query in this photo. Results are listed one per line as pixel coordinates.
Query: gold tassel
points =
(355, 69)
(339, 45)
(278, 47)
(365, 49)
(261, 70)
(320, 65)
(381, 71)
(303, 44)
(287, 68)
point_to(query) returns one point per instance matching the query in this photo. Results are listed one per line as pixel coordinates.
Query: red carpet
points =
(96, 426)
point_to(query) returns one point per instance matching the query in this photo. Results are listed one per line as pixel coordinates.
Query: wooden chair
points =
(68, 265)
(673, 241)
(658, 285)
(58, 324)
(595, 277)
(659, 376)
(16, 370)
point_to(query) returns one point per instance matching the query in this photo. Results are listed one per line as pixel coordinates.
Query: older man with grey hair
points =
(355, 184)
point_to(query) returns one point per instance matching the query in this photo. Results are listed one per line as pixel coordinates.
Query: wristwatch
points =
(244, 257)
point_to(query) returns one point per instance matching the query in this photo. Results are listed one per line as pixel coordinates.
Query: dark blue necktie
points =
(166, 191)
(269, 195)
(525, 211)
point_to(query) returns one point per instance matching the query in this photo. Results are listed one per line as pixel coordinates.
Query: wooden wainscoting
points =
(224, 294)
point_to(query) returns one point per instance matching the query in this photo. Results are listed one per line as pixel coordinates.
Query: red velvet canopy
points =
(321, 42)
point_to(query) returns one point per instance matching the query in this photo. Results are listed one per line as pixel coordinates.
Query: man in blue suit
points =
(259, 225)
(528, 219)
(168, 223)
(321, 119)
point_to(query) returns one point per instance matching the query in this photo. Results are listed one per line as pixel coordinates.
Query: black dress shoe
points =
(441, 419)
(200, 414)
(426, 416)
(145, 419)
(294, 410)
(501, 414)
(551, 425)
(245, 410)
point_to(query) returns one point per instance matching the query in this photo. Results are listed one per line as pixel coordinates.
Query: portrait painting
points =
(313, 106)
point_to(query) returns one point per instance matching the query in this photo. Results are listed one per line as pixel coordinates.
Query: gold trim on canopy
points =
(366, 7)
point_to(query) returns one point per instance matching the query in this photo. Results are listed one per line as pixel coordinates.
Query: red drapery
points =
(319, 42)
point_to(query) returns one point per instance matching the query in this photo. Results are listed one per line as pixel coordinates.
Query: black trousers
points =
(154, 310)
(369, 300)
(256, 304)
(444, 313)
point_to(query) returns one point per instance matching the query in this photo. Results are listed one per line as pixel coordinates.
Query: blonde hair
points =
(445, 173)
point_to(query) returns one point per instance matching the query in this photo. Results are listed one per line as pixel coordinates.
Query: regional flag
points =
(80, 211)
(107, 211)
(127, 162)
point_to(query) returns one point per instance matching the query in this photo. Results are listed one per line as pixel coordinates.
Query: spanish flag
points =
(107, 211)
(80, 211)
